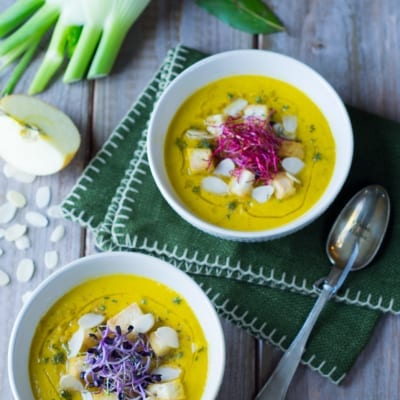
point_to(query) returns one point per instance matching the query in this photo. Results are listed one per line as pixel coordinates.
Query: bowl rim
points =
(292, 226)
(214, 380)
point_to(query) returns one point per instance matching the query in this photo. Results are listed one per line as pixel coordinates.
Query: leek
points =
(89, 33)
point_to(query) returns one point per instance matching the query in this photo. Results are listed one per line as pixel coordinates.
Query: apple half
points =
(36, 137)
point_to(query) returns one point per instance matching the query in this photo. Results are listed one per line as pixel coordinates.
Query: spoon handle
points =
(278, 383)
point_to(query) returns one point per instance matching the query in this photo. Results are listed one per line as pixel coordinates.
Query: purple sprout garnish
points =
(119, 364)
(252, 144)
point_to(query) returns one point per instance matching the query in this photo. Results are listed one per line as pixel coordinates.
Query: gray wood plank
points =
(355, 46)
(73, 100)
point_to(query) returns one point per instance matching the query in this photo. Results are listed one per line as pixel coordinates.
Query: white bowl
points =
(70, 276)
(250, 62)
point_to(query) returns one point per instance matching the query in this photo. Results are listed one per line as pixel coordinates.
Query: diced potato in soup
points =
(270, 132)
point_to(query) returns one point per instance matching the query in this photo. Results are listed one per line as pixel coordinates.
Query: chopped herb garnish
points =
(66, 395)
(180, 143)
(204, 144)
(232, 205)
(120, 365)
(259, 99)
(58, 358)
(230, 95)
(114, 300)
(102, 307)
(312, 128)
(317, 156)
(143, 301)
(196, 189)
(285, 107)
(252, 145)
(177, 300)
(179, 355)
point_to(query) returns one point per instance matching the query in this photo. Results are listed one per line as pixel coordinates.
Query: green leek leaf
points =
(251, 16)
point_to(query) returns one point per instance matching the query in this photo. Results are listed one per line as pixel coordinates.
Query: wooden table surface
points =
(354, 44)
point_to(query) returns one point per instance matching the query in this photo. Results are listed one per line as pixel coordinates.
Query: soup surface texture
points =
(243, 212)
(109, 295)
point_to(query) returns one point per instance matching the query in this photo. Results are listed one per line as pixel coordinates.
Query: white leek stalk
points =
(89, 32)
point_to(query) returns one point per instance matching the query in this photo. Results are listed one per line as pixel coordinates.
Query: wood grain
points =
(353, 44)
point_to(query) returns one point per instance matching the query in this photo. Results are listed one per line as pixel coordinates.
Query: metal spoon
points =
(352, 243)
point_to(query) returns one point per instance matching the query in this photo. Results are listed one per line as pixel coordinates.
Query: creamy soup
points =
(107, 296)
(277, 150)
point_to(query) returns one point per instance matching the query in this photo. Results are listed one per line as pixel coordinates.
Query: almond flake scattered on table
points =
(23, 243)
(4, 278)
(51, 259)
(17, 199)
(7, 212)
(14, 232)
(36, 219)
(57, 234)
(25, 270)
(43, 196)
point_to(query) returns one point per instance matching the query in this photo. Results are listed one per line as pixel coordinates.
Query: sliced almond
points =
(7, 212)
(4, 278)
(14, 232)
(167, 373)
(36, 219)
(224, 167)
(75, 343)
(23, 243)
(69, 382)
(25, 270)
(214, 185)
(234, 109)
(143, 323)
(50, 259)
(90, 320)
(57, 234)
(16, 198)
(293, 165)
(289, 123)
(262, 194)
(43, 195)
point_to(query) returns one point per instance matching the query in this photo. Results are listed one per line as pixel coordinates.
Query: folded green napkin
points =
(265, 288)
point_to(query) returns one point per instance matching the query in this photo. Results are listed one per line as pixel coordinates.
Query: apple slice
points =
(36, 137)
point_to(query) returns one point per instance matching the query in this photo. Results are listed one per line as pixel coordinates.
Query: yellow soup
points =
(243, 212)
(109, 295)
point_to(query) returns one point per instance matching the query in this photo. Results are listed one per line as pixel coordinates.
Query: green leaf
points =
(252, 16)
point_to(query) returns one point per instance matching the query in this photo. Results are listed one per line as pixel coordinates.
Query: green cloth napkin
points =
(265, 288)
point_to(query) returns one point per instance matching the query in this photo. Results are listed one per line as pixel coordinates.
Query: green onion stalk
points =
(89, 33)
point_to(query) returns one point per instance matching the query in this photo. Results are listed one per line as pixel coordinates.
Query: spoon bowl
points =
(364, 220)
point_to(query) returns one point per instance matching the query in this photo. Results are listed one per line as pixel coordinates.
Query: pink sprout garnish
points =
(120, 365)
(252, 144)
